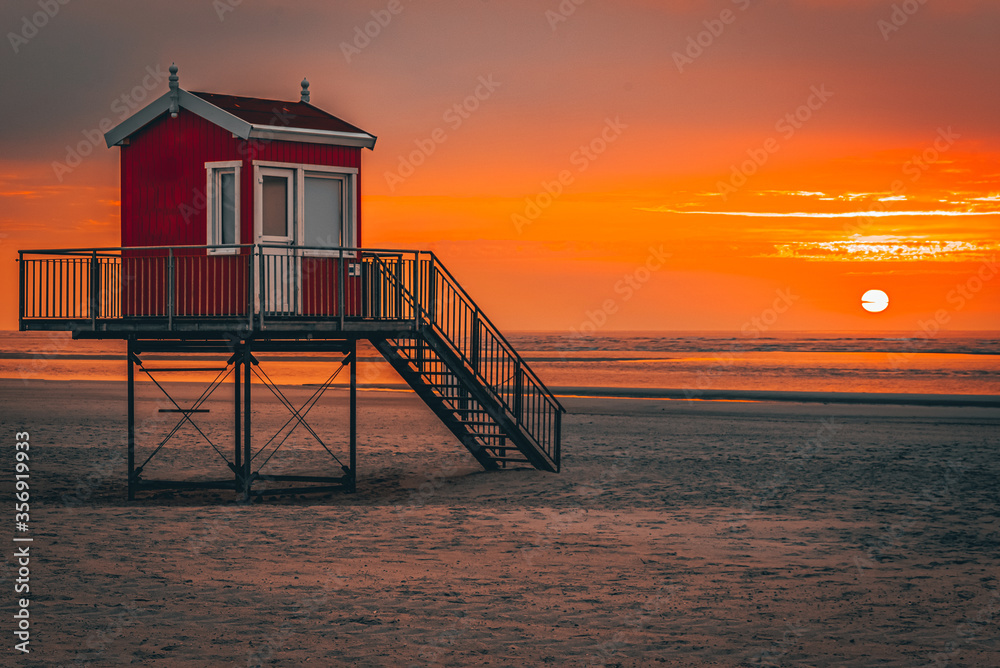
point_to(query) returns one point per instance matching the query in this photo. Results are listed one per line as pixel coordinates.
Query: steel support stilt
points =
(237, 441)
(353, 474)
(247, 452)
(131, 420)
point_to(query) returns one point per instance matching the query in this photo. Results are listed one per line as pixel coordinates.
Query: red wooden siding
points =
(320, 288)
(163, 180)
(213, 285)
(163, 177)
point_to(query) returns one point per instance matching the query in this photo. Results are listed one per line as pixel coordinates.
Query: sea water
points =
(895, 362)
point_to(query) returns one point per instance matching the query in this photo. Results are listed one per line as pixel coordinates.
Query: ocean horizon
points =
(695, 363)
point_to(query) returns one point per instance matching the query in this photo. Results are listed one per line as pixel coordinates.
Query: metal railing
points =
(260, 282)
(448, 308)
(429, 293)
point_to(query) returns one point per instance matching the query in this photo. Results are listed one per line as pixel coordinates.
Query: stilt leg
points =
(247, 454)
(352, 476)
(131, 421)
(238, 442)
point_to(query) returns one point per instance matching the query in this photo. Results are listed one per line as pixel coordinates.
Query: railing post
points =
(518, 392)
(250, 290)
(476, 343)
(263, 281)
(368, 309)
(558, 437)
(95, 287)
(398, 298)
(340, 286)
(432, 292)
(170, 289)
(416, 291)
(20, 290)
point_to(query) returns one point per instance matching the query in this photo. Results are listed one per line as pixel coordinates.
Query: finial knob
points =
(174, 88)
(305, 90)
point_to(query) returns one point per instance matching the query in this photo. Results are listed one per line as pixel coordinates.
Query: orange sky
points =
(611, 176)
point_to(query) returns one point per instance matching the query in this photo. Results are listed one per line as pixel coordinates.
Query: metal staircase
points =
(466, 372)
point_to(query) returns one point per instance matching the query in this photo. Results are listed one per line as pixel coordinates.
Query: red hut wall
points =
(163, 203)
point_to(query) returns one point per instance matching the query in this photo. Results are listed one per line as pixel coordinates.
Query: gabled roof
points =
(250, 118)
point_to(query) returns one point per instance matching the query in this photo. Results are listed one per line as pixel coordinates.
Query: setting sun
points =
(875, 301)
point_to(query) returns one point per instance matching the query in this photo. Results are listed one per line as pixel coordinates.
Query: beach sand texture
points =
(679, 533)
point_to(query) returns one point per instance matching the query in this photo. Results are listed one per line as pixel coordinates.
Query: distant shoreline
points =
(674, 394)
(897, 398)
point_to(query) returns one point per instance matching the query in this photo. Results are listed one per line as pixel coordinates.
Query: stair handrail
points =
(508, 348)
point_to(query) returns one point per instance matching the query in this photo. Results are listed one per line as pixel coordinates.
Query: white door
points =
(275, 231)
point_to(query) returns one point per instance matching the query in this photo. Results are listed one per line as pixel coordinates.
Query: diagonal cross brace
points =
(186, 413)
(300, 414)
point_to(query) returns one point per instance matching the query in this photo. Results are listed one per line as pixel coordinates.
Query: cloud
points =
(824, 214)
(885, 248)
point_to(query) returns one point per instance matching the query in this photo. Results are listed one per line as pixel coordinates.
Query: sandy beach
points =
(708, 533)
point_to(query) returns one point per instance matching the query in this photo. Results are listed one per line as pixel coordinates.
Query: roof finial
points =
(174, 91)
(305, 90)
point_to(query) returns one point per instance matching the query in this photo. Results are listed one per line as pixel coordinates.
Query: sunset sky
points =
(627, 165)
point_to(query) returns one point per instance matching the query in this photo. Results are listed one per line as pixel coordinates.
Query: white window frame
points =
(292, 212)
(213, 204)
(350, 203)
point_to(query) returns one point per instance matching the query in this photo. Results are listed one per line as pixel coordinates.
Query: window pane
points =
(274, 191)
(324, 215)
(227, 222)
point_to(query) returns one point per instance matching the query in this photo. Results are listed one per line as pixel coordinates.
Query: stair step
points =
(450, 388)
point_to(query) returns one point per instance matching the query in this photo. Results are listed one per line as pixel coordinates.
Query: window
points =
(323, 223)
(276, 204)
(309, 206)
(223, 205)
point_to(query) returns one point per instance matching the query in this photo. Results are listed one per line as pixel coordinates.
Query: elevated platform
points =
(183, 328)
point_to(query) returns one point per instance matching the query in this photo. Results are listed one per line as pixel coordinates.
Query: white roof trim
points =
(362, 139)
(233, 124)
(137, 120)
(214, 114)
